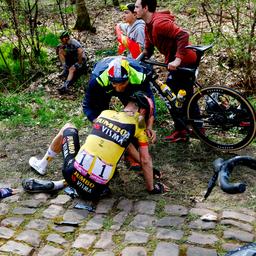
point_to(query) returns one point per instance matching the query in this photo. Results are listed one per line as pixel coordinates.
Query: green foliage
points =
(208, 38)
(69, 9)
(11, 68)
(107, 52)
(107, 223)
(252, 100)
(161, 110)
(177, 6)
(160, 213)
(7, 58)
(232, 23)
(50, 39)
(30, 109)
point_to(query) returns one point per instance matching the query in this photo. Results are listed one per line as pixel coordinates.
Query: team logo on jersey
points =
(114, 131)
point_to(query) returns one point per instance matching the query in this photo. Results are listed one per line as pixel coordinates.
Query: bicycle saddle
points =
(199, 48)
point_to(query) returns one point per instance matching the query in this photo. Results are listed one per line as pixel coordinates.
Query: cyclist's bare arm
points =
(147, 167)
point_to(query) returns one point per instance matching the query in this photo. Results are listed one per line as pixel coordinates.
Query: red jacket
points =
(168, 38)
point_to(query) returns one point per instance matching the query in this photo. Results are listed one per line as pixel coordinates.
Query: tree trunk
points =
(64, 23)
(13, 7)
(83, 20)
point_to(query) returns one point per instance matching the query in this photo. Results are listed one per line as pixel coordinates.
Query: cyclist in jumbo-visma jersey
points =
(90, 168)
(117, 76)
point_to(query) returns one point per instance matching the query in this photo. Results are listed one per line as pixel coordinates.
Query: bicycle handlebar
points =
(230, 188)
(161, 64)
(225, 169)
(222, 173)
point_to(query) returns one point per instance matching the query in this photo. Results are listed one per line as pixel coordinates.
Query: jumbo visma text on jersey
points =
(114, 131)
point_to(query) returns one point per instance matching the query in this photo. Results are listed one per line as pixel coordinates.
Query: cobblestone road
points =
(50, 225)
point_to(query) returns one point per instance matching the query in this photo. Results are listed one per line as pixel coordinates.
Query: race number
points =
(101, 171)
(84, 161)
(98, 170)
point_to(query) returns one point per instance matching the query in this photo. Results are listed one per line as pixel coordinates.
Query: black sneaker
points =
(35, 186)
(63, 89)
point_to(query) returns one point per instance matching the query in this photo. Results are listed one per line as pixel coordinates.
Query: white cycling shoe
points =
(35, 165)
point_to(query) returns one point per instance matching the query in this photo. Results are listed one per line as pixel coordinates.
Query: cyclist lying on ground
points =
(90, 168)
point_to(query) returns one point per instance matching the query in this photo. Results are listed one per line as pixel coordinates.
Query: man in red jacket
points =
(161, 32)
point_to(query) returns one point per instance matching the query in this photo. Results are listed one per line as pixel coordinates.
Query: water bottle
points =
(167, 92)
(181, 97)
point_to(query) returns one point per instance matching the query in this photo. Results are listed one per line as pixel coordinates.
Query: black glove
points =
(158, 188)
(157, 174)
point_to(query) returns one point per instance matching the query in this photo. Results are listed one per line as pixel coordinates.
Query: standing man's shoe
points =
(178, 136)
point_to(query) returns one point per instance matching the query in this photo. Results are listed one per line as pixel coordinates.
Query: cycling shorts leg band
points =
(70, 145)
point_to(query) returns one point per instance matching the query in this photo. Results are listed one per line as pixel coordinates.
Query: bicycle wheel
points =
(222, 118)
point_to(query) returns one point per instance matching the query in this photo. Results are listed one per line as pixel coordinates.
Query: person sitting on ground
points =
(131, 33)
(163, 33)
(117, 76)
(6, 192)
(90, 168)
(72, 57)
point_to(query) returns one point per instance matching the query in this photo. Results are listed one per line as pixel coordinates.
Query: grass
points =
(160, 208)
(36, 109)
(50, 39)
(106, 52)
(107, 223)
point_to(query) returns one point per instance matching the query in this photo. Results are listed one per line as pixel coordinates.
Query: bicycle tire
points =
(225, 123)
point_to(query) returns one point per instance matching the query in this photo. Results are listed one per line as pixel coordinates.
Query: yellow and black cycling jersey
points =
(110, 136)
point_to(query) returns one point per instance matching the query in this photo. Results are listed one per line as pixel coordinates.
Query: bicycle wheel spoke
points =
(227, 119)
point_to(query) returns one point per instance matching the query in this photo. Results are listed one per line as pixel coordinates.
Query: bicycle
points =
(225, 120)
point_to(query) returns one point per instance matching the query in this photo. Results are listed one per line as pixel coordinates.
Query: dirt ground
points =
(186, 167)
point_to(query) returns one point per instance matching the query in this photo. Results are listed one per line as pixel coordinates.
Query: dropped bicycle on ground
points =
(225, 120)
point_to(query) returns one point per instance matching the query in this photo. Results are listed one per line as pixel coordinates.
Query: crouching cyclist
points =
(72, 57)
(90, 168)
